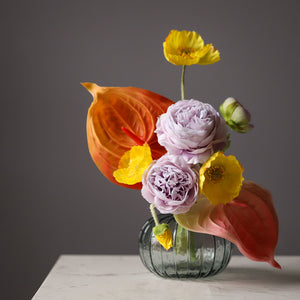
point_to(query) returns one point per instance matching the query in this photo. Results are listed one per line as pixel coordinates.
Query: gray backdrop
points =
(53, 198)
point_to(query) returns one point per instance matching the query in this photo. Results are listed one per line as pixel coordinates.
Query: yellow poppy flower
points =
(133, 164)
(188, 48)
(221, 178)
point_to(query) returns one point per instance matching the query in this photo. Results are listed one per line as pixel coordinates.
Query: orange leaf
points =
(115, 108)
(249, 221)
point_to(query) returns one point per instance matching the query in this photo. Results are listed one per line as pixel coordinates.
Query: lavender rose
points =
(191, 129)
(171, 184)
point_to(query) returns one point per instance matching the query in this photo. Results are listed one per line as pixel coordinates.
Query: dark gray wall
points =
(53, 198)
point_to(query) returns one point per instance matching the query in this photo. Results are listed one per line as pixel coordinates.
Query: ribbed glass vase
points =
(193, 255)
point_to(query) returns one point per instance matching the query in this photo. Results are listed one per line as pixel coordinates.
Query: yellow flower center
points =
(215, 174)
(184, 51)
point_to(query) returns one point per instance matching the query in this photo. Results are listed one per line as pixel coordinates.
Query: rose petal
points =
(191, 129)
(171, 184)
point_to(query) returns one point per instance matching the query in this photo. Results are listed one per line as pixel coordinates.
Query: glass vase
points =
(193, 255)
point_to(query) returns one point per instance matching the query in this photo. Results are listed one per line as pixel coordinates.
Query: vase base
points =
(193, 255)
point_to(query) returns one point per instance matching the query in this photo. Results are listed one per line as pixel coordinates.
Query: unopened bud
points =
(235, 115)
(163, 234)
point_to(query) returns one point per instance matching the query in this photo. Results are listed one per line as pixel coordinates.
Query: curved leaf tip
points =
(93, 88)
(249, 221)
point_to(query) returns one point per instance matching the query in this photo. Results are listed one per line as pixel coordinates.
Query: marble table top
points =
(90, 277)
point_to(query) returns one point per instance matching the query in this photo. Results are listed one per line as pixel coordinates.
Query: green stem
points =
(182, 82)
(153, 213)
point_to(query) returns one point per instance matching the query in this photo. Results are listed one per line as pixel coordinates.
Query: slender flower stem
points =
(154, 214)
(182, 82)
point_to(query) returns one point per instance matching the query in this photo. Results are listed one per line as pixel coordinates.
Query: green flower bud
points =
(235, 115)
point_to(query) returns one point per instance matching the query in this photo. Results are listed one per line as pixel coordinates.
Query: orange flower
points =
(113, 109)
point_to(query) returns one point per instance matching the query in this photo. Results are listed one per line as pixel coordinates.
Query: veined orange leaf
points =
(116, 111)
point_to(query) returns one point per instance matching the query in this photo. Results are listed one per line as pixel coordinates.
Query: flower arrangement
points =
(175, 153)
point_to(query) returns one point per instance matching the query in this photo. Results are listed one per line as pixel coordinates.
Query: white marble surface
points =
(89, 277)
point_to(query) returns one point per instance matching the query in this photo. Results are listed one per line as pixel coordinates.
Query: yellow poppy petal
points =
(212, 56)
(220, 178)
(133, 164)
(183, 47)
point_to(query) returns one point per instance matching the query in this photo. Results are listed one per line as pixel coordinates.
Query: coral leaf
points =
(113, 108)
(249, 221)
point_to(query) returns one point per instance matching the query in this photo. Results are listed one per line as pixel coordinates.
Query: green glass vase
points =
(193, 255)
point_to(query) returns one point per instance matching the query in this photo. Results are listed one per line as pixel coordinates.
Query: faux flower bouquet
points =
(174, 153)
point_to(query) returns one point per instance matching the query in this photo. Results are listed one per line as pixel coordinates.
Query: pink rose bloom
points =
(191, 129)
(171, 184)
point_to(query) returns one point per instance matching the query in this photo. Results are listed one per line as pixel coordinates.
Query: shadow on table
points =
(258, 276)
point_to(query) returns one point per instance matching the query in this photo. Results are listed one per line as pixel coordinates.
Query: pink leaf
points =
(249, 221)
